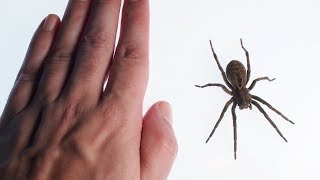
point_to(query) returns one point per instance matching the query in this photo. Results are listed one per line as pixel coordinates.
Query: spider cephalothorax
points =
(236, 78)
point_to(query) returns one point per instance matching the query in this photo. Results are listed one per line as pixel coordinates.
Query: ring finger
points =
(59, 60)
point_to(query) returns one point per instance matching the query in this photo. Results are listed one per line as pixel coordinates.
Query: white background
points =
(283, 39)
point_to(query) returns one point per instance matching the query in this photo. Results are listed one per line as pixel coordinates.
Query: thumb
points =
(158, 146)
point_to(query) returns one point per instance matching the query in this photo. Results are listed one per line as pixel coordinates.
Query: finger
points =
(31, 69)
(158, 143)
(129, 72)
(95, 49)
(59, 60)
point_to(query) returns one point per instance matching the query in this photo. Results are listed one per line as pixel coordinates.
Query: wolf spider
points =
(236, 79)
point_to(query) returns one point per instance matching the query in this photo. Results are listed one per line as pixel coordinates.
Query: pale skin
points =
(59, 123)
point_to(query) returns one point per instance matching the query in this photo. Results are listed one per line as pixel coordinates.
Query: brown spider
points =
(236, 79)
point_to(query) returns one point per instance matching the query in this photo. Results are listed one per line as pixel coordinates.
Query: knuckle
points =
(130, 55)
(129, 51)
(46, 96)
(60, 55)
(73, 106)
(71, 110)
(57, 59)
(80, 148)
(46, 156)
(96, 40)
(27, 76)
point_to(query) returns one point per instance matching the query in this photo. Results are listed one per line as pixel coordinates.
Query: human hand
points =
(59, 123)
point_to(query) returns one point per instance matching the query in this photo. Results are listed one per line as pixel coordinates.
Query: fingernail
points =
(49, 23)
(165, 111)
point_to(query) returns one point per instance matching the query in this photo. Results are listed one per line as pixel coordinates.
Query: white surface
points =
(283, 39)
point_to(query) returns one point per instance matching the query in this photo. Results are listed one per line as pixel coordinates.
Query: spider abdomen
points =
(236, 74)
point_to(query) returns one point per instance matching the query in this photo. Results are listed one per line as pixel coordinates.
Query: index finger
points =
(129, 72)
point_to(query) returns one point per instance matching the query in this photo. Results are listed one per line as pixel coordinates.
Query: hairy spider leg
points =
(225, 89)
(259, 79)
(268, 118)
(220, 118)
(272, 108)
(220, 68)
(248, 62)
(234, 117)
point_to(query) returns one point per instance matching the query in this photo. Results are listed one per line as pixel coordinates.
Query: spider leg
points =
(269, 106)
(259, 79)
(248, 62)
(268, 118)
(234, 117)
(220, 68)
(220, 118)
(225, 89)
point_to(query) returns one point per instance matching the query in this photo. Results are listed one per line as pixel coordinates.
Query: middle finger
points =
(95, 50)
(59, 59)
